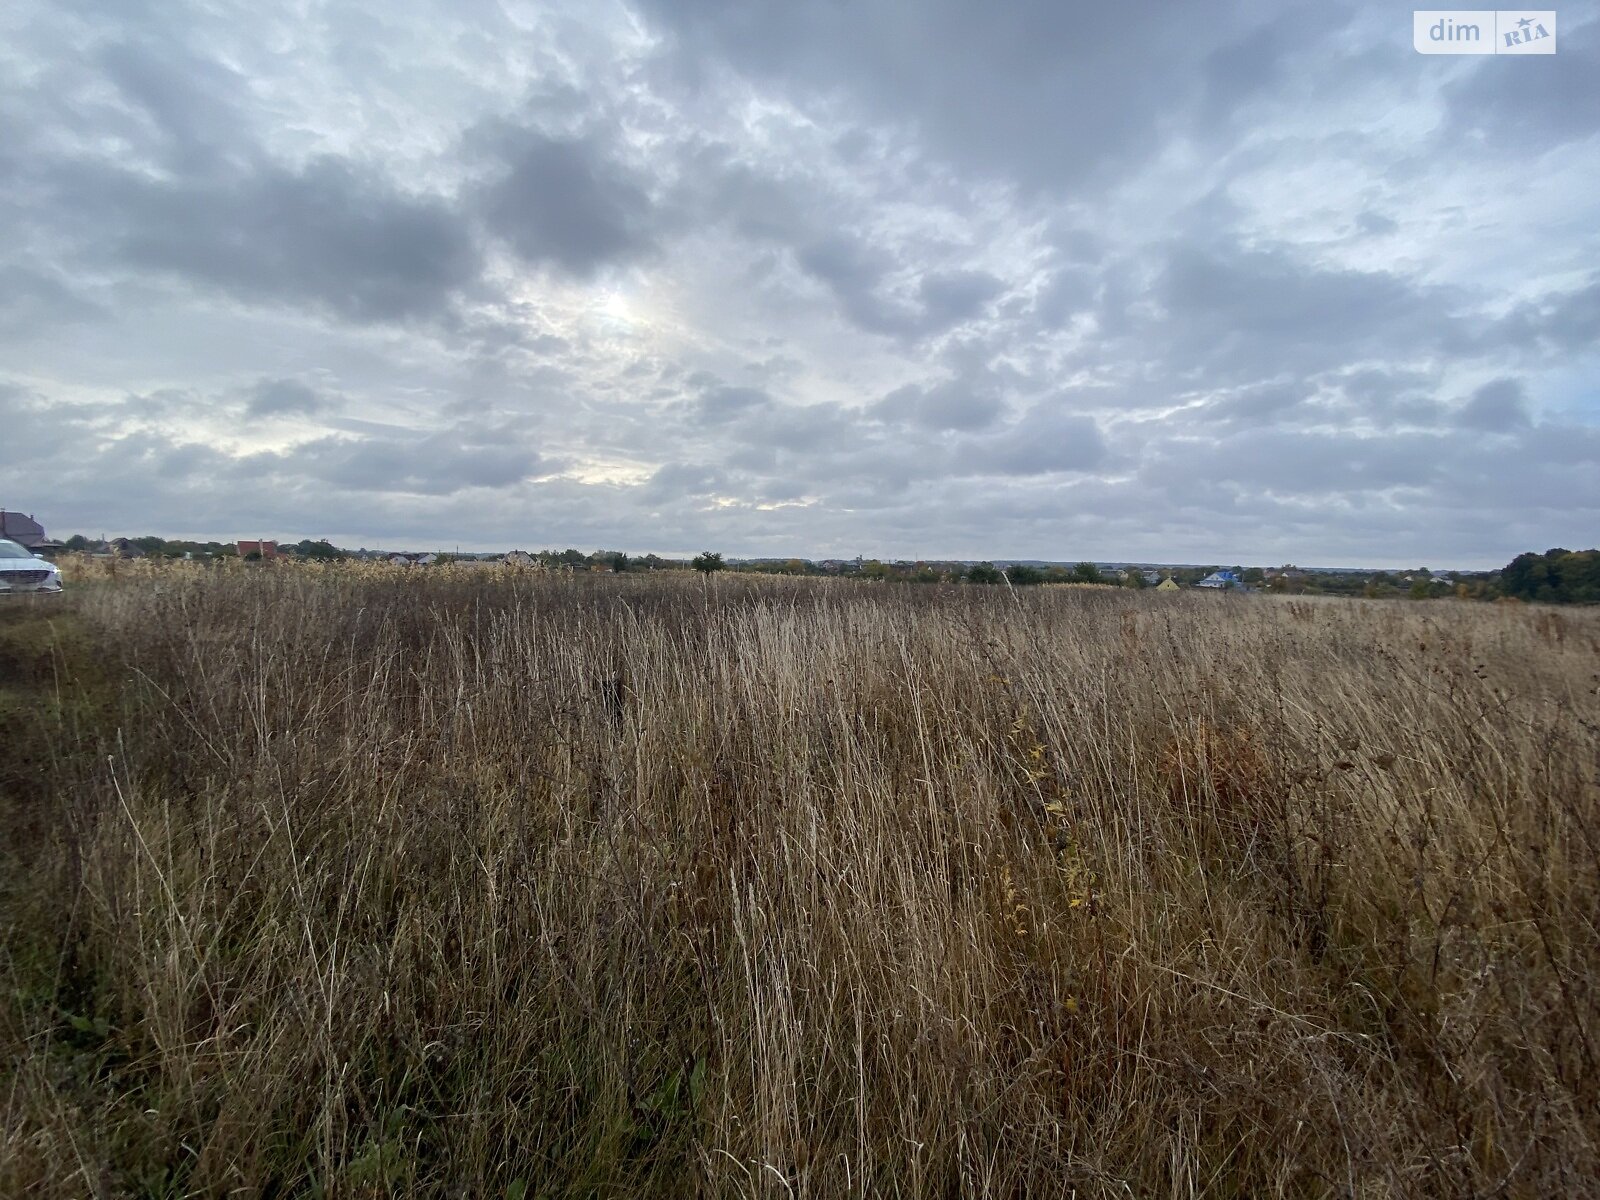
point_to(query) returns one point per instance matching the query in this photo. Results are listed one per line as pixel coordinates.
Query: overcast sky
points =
(1169, 282)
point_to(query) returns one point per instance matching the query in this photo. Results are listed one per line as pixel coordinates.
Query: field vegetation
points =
(344, 881)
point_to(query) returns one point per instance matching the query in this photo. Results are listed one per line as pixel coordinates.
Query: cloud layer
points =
(1204, 283)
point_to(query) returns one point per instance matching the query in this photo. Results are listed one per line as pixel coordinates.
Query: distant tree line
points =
(1557, 576)
(156, 547)
(928, 571)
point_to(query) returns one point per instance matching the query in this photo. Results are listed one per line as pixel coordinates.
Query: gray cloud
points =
(1232, 298)
(1497, 407)
(673, 481)
(36, 300)
(1302, 463)
(566, 203)
(330, 235)
(189, 100)
(1038, 67)
(855, 275)
(1257, 63)
(720, 404)
(1376, 224)
(800, 279)
(950, 297)
(35, 434)
(1069, 291)
(284, 397)
(951, 404)
(1257, 403)
(1567, 320)
(1046, 439)
(434, 464)
(1550, 105)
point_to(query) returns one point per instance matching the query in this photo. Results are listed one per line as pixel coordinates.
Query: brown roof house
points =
(262, 550)
(24, 530)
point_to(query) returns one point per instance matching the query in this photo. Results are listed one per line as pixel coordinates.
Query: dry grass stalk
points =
(362, 882)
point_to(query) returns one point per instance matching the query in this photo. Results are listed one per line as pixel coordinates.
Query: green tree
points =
(1286, 578)
(1558, 576)
(984, 572)
(1580, 575)
(322, 550)
(1024, 576)
(708, 561)
(1133, 578)
(1086, 572)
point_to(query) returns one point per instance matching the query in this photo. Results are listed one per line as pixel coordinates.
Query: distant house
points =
(1220, 580)
(518, 558)
(400, 560)
(1169, 584)
(425, 560)
(262, 550)
(23, 530)
(123, 548)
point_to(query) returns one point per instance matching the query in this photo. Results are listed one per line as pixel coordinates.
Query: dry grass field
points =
(339, 882)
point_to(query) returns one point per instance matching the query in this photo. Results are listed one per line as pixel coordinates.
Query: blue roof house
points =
(1220, 579)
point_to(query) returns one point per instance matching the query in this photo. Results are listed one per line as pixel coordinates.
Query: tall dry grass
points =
(362, 883)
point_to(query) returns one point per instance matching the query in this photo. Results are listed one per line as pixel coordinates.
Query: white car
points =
(23, 571)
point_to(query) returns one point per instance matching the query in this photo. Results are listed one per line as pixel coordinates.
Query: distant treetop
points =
(1558, 576)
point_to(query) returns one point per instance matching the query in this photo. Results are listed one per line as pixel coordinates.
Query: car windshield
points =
(10, 549)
